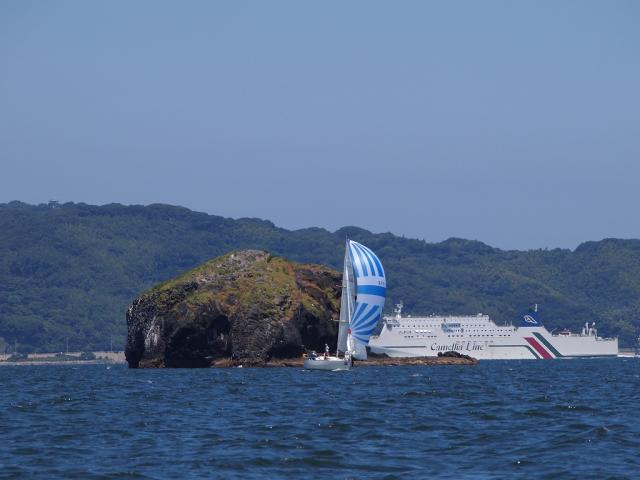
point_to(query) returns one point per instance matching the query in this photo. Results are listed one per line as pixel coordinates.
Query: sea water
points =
(502, 419)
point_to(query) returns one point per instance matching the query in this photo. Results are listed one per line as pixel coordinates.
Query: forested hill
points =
(69, 271)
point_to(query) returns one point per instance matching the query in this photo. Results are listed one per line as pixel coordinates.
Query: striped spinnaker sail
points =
(371, 288)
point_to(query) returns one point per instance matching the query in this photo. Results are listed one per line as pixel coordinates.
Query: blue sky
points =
(514, 123)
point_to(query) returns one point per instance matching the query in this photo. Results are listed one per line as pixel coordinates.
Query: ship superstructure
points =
(480, 337)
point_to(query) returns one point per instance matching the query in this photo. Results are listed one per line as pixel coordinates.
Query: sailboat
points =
(364, 290)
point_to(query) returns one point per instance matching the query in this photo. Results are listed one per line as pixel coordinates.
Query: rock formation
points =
(248, 306)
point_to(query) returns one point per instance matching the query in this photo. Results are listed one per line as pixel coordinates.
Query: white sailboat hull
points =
(329, 363)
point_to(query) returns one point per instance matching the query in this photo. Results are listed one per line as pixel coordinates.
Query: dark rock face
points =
(247, 306)
(452, 354)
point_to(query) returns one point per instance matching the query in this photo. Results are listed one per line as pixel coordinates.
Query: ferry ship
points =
(480, 337)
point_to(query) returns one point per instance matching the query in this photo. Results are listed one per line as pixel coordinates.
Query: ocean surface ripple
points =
(513, 419)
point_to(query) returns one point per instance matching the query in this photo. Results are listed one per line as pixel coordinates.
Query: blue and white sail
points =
(371, 289)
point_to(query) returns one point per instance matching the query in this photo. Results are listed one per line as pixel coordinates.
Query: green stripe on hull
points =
(546, 343)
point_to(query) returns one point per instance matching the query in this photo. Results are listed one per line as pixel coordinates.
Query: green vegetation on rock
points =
(247, 306)
(69, 271)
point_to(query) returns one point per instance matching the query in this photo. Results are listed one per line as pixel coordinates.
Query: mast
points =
(346, 302)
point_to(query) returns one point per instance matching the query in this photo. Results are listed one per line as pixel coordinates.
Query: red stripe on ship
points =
(539, 348)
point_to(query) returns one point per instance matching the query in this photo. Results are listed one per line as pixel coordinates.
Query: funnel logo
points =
(530, 319)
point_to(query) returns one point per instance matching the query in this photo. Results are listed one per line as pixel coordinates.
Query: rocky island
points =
(245, 308)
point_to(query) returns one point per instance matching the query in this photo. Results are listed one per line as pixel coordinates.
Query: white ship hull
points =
(479, 337)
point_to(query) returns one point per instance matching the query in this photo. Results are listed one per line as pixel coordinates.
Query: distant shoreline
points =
(65, 362)
(70, 358)
(118, 358)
